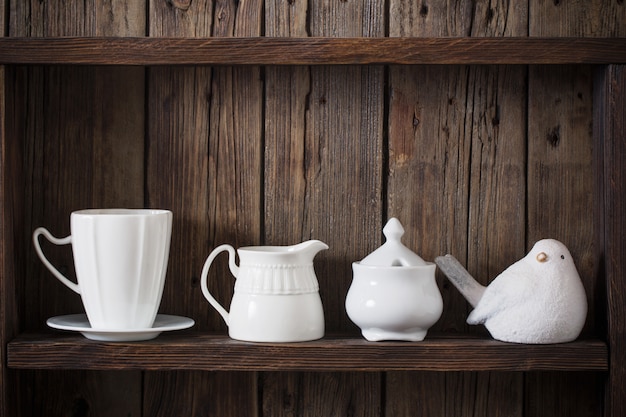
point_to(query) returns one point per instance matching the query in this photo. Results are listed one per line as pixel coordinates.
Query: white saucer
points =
(80, 323)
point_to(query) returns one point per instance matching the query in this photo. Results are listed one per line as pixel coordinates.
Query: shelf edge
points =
(195, 351)
(149, 51)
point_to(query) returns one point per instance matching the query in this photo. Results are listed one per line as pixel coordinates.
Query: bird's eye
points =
(542, 257)
(562, 256)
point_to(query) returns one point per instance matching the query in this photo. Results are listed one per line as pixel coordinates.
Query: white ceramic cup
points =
(120, 256)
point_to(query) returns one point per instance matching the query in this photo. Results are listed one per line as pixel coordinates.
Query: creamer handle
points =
(64, 241)
(205, 272)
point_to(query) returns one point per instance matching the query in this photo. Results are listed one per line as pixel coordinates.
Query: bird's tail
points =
(471, 289)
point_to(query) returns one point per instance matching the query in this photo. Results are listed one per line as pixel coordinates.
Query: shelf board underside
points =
(201, 351)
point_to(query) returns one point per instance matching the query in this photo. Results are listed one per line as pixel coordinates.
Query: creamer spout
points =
(308, 249)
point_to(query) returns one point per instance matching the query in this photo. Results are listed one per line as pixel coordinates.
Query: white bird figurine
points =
(538, 299)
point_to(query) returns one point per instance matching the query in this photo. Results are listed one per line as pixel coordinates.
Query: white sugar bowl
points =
(394, 295)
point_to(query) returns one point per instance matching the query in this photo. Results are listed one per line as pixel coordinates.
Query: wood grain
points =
(609, 140)
(327, 394)
(287, 152)
(72, 138)
(204, 163)
(560, 171)
(212, 352)
(456, 180)
(82, 392)
(457, 19)
(316, 50)
(550, 393)
(560, 166)
(11, 205)
(589, 19)
(323, 176)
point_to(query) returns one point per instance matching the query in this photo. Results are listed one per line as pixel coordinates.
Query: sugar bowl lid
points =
(393, 252)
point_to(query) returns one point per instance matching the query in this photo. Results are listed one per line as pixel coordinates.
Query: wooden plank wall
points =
(477, 161)
(610, 135)
(81, 131)
(560, 175)
(338, 123)
(457, 139)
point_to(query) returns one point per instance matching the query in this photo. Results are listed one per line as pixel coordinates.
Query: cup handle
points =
(234, 269)
(65, 241)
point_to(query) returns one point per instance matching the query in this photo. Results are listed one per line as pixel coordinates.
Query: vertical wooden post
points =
(323, 180)
(609, 131)
(8, 312)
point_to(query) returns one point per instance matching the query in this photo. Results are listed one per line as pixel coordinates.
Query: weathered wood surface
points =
(456, 181)
(217, 352)
(9, 222)
(470, 163)
(323, 181)
(610, 151)
(302, 50)
(561, 179)
(8, 169)
(80, 136)
(204, 163)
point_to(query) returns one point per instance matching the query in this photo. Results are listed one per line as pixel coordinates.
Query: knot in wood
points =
(180, 4)
(554, 136)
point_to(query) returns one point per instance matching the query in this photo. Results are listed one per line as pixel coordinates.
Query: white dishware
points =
(120, 257)
(276, 296)
(80, 323)
(394, 295)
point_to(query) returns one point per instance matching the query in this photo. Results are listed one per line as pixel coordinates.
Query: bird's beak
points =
(542, 257)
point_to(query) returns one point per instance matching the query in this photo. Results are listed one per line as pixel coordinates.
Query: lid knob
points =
(393, 230)
(393, 252)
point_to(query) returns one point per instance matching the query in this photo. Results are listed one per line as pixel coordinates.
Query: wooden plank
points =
(118, 121)
(458, 19)
(215, 352)
(609, 131)
(219, 395)
(318, 50)
(11, 206)
(560, 169)
(81, 392)
(561, 180)
(324, 395)
(72, 135)
(592, 18)
(561, 175)
(323, 181)
(550, 394)
(204, 163)
(456, 147)
(464, 386)
(429, 171)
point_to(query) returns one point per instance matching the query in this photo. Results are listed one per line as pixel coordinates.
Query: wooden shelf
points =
(201, 351)
(310, 51)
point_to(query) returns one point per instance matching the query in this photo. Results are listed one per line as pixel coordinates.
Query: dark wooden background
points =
(477, 161)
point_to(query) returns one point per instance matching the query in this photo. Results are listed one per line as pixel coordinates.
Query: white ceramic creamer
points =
(394, 295)
(276, 296)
